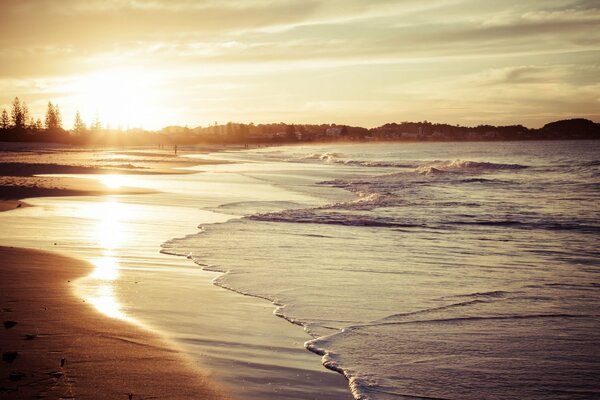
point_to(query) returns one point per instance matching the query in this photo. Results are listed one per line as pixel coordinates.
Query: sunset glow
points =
(106, 269)
(322, 199)
(120, 98)
(113, 181)
(159, 63)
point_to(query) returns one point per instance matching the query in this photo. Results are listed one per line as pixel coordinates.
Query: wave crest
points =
(437, 167)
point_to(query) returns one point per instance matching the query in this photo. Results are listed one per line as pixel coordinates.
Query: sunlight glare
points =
(120, 98)
(106, 269)
(113, 181)
(105, 301)
(109, 230)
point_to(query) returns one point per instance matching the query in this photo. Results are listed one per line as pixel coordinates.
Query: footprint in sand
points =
(9, 356)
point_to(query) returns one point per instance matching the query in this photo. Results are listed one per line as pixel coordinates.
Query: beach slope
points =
(55, 346)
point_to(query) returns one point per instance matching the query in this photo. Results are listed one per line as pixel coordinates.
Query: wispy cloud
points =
(364, 62)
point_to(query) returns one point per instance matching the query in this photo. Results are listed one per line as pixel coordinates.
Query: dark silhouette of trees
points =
(97, 125)
(78, 126)
(53, 118)
(290, 133)
(577, 128)
(4, 120)
(19, 113)
(17, 125)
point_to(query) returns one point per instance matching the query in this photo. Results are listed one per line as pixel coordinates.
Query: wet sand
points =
(257, 359)
(60, 348)
(35, 171)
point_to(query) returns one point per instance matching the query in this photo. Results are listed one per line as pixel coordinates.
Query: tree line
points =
(19, 126)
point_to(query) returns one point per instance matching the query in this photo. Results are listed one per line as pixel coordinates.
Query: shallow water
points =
(121, 236)
(454, 271)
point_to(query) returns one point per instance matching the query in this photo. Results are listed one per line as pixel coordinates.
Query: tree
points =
(53, 119)
(78, 126)
(229, 133)
(243, 132)
(31, 123)
(58, 117)
(4, 120)
(290, 132)
(18, 113)
(96, 126)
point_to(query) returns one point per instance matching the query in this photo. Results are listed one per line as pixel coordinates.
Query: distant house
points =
(334, 132)
(409, 135)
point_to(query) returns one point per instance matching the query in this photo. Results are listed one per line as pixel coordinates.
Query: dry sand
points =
(66, 350)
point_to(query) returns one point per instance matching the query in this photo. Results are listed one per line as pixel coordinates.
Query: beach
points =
(65, 349)
(290, 200)
(118, 230)
(327, 271)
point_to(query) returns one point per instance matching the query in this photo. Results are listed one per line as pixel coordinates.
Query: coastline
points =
(101, 358)
(28, 171)
(266, 359)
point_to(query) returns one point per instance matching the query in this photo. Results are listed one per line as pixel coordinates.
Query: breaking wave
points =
(437, 167)
(337, 158)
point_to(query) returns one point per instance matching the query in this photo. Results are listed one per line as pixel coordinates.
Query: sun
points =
(119, 98)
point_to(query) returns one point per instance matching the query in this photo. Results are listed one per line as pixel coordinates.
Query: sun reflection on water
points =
(100, 287)
(113, 181)
(105, 300)
(106, 269)
(109, 231)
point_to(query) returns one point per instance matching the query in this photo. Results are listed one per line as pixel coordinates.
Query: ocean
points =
(416, 270)
(425, 270)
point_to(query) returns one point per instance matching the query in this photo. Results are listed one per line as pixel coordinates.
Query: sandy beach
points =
(109, 233)
(290, 200)
(30, 170)
(59, 347)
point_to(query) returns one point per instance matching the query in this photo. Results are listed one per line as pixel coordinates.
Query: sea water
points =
(430, 270)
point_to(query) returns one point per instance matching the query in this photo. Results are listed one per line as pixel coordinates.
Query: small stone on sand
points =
(9, 324)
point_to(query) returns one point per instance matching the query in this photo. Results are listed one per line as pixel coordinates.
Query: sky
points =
(134, 63)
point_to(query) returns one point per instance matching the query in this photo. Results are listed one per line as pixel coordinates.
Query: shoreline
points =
(61, 347)
(293, 364)
(43, 171)
(116, 357)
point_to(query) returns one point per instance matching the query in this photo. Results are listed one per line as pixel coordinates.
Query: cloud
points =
(371, 60)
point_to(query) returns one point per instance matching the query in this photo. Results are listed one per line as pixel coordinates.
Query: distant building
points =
(333, 132)
(409, 135)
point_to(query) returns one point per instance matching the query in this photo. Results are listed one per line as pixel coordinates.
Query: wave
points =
(336, 158)
(545, 225)
(367, 201)
(337, 214)
(494, 294)
(313, 216)
(360, 386)
(327, 157)
(437, 167)
(483, 180)
(422, 168)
